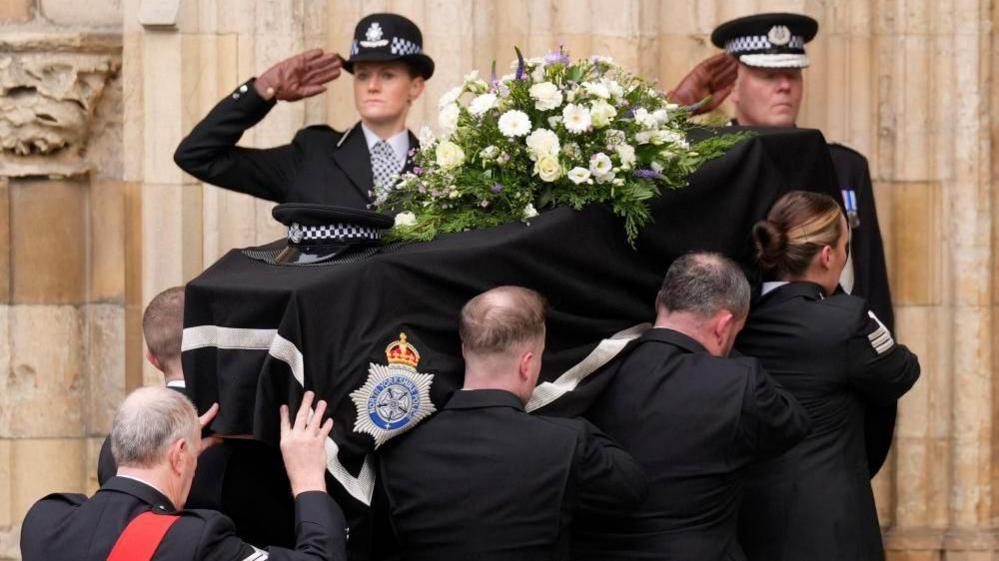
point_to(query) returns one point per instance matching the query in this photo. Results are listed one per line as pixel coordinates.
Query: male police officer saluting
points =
(321, 165)
(770, 49)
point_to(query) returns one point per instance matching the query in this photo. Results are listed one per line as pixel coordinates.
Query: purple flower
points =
(417, 170)
(646, 173)
(555, 58)
(496, 188)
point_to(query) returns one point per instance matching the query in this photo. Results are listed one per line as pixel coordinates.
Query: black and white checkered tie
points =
(384, 165)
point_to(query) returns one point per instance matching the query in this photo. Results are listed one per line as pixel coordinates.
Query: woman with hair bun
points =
(825, 347)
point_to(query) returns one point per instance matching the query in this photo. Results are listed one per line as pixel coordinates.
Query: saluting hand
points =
(303, 445)
(714, 76)
(300, 76)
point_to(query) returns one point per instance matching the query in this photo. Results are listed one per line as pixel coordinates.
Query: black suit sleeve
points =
(210, 154)
(106, 466)
(605, 474)
(772, 419)
(880, 369)
(319, 529)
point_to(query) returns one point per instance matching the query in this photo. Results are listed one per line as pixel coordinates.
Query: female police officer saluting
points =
(320, 165)
(815, 501)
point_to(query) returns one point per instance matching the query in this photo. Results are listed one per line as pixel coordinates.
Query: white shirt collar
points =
(177, 384)
(399, 143)
(143, 481)
(772, 285)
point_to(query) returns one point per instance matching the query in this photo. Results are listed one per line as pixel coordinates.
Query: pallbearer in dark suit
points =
(138, 515)
(693, 418)
(244, 479)
(320, 165)
(768, 93)
(826, 347)
(483, 480)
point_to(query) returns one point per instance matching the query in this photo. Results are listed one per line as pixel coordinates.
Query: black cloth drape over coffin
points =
(331, 322)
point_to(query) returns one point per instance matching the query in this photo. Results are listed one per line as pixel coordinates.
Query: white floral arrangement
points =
(553, 133)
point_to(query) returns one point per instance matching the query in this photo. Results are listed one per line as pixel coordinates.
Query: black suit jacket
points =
(815, 501)
(694, 422)
(245, 480)
(321, 165)
(71, 527)
(482, 480)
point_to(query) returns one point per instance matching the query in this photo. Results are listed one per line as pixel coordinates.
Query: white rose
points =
(578, 175)
(661, 116)
(596, 89)
(548, 168)
(576, 118)
(542, 142)
(546, 96)
(601, 113)
(448, 117)
(405, 219)
(426, 136)
(514, 123)
(601, 165)
(449, 97)
(449, 155)
(529, 211)
(626, 153)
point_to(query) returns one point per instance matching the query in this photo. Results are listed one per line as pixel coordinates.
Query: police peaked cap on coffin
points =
(767, 40)
(318, 233)
(388, 37)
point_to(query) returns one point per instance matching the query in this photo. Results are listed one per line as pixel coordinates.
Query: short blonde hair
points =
(163, 325)
(498, 319)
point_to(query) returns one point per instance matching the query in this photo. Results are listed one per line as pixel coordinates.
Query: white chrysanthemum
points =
(602, 113)
(576, 118)
(426, 136)
(546, 96)
(449, 155)
(529, 211)
(626, 154)
(601, 165)
(548, 168)
(514, 123)
(405, 219)
(578, 175)
(447, 119)
(449, 97)
(596, 89)
(482, 103)
(542, 142)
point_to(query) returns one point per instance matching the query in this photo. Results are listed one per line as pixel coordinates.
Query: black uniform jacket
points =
(482, 480)
(71, 527)
(320, 165)
(694, 422)
(870, 282)
(245, 480)
(815, 501)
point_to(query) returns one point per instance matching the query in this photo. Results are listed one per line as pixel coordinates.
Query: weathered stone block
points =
(5, 228)
(48, 229)
(90, 466)
(44, 386)
(107, 13)
(107, 241)
(105, 364)
(916, 235)
(64, 472)
(6, 483)
(15, 11)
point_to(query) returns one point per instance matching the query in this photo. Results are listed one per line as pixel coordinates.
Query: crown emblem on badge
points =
(395, 397)
(779, 35)
(402, 353)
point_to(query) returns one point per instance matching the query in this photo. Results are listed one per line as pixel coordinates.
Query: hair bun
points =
(771, 244)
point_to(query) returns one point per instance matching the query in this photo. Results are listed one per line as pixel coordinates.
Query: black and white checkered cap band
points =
(760, 44)
(339, 231)
(398, 46)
